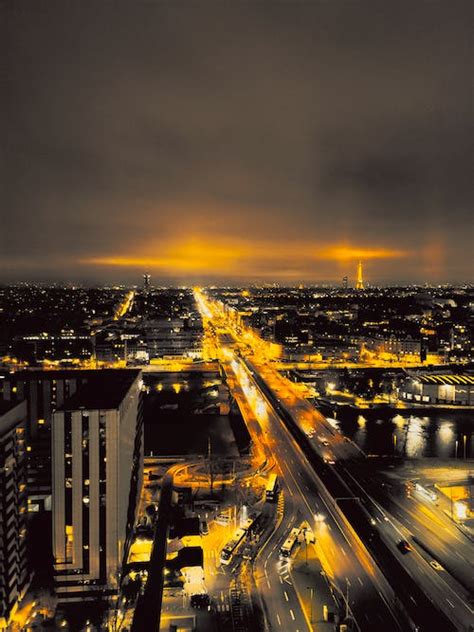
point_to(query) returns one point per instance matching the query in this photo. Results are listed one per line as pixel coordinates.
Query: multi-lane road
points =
(281, 604)
(317, 465)
(345, 557)
(440, 594)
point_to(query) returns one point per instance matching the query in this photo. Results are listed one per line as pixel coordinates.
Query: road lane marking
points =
(278, 619)
(292, 614)
(268, 584)
(286, 595)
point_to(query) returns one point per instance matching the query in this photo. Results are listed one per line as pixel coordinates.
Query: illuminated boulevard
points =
(329, 486)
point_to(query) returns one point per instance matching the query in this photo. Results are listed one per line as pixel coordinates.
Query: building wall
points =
(98, 509)
(14, 576)
(413, 390)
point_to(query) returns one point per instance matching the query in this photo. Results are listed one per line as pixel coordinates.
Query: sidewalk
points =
(307, 576)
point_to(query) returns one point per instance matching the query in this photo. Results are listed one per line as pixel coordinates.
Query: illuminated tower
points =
(360, 280)
(146, 282)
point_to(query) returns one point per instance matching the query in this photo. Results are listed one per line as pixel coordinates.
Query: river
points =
(435, 434)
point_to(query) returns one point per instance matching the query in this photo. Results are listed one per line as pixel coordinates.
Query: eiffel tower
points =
(360, 280)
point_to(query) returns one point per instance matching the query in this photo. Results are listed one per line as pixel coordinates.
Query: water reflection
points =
(414, 436)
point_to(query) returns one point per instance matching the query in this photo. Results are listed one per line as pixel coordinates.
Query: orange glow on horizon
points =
(238, 257)
(348, 253)
(194, 255)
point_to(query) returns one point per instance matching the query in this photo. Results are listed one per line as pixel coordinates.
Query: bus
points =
(290, 543)
(252, 523)
(231, 547)
(271, 490)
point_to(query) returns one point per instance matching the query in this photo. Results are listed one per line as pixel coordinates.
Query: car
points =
(223, 519)
(404, 546)
(436, 565)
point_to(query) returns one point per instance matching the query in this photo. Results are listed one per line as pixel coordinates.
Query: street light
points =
(331, 586)
(460, 509)
(311, 593)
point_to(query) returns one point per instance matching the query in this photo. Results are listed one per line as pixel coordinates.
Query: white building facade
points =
(97, 457)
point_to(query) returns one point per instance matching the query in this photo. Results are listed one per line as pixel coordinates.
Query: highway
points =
(345, 558)
(431, 598)
(281, 605)
(430, 523)
(125, 306)
(418, 586)
(440, 593)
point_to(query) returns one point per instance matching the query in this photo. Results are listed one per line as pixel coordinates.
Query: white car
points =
(223, 519)
(436, 565)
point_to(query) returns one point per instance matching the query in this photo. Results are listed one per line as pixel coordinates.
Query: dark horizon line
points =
(186, 285)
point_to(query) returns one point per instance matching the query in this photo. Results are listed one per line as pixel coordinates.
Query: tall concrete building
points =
(97, 456)
(14, 576)
(44, 392)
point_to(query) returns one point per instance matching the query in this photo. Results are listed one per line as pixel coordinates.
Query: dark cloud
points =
(127, 126)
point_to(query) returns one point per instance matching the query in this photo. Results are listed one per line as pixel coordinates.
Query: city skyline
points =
(223, 144)
(164, 445)
(236, 316)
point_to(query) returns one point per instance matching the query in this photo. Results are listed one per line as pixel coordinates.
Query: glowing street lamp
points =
(460, 510)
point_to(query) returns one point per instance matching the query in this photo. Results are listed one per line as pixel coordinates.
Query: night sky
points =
(223, 142)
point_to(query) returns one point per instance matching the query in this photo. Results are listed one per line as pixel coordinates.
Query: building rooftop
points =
(453, 379)
(104, 390)
(62, 374)
(7, 405)
(11, 413)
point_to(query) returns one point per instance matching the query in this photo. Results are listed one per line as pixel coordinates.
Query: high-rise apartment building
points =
(97, 454)
(44, 392)
(14, 576)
